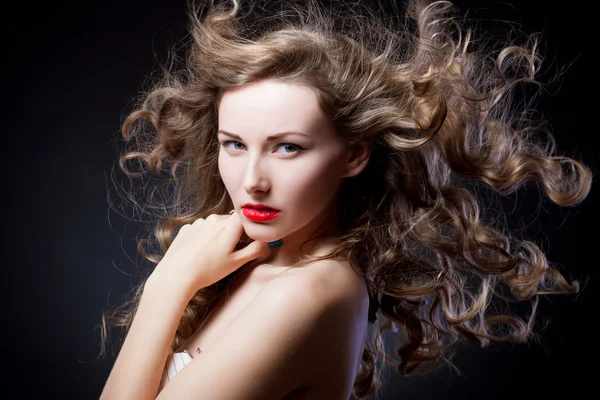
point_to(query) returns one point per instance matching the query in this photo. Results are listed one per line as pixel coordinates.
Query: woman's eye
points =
(294, 147)
(226, 143)
(290, 147)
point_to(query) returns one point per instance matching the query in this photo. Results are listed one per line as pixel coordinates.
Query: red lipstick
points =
(260, 207)
(259, 212)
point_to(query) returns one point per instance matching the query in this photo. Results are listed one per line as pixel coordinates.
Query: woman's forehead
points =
(271, 108)
(270, 97)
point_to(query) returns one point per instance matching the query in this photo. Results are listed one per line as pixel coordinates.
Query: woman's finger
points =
(185, 227)
(233, 220)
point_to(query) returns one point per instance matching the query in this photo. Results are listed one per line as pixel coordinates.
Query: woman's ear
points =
(357, 158)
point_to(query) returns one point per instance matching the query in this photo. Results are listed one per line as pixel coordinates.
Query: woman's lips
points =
(259, 215)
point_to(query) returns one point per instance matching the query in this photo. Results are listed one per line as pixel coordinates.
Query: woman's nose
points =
(255, 178)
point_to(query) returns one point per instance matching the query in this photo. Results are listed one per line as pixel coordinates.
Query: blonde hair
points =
(437, 107)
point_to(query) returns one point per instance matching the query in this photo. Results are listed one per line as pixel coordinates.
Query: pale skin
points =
(282, 339)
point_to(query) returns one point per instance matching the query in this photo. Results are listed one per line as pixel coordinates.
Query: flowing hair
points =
(438, 107)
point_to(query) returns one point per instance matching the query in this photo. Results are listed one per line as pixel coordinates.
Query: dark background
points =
(72, 70)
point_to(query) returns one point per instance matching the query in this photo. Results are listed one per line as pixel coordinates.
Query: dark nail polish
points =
(276, 243)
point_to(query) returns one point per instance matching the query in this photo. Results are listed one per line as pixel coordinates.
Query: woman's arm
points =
(201, 254)
(138, 368)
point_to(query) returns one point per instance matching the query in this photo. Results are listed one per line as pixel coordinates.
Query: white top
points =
(175, 363)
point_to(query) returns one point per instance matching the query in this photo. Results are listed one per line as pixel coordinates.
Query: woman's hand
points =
(203, 253)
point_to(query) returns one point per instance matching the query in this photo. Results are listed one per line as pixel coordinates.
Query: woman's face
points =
(296, 173)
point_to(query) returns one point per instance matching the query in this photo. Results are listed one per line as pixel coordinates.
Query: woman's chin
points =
(255, 234)
(263, 238)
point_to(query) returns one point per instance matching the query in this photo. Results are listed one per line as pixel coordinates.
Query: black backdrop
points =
(71, 71)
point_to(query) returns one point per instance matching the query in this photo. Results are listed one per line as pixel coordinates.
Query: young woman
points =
(322, 169)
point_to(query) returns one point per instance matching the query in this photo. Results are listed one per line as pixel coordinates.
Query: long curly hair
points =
(440, 112)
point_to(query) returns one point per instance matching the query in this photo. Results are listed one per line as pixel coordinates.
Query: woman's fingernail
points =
(276, 243)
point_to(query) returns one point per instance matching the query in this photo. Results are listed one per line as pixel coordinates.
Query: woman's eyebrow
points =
(269, 138)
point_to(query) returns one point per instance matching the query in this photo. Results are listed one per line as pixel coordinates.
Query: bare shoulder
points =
(339, 301)
(328, 280)
(332, 290)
